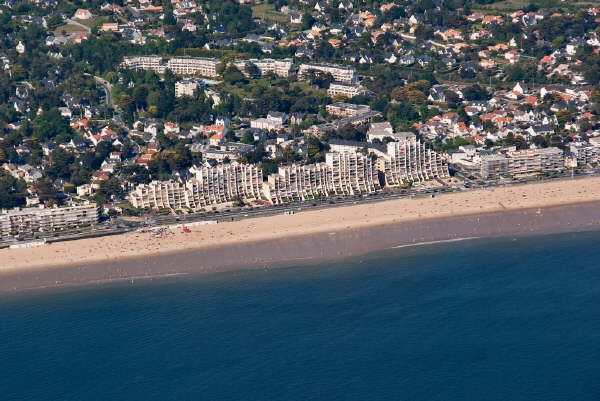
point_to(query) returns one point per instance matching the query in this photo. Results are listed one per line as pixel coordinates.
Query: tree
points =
(125, 102)
(12, 191)
(61, 162)
(307, 21)
(232, 75)
(563, 116)
(46, 190)
(49, 125)
(475, 92)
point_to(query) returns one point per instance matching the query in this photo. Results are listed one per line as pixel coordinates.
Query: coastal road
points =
(234, 214)
(119, 226)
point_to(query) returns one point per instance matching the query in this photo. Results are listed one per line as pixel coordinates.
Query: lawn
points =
(69, 28)
(267, 12)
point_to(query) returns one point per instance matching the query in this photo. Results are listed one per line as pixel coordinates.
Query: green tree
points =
(50, 124)
(12, 191)
(46, 190)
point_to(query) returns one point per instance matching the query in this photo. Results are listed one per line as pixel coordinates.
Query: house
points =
(519, 89)
(171, 128)
(512, 56)
(437, 93)
(387, 7)
(390, 58)
(345, 5)
(20, 48)
(82, 14)
(216, 139)
(109, 27)
(295, 17)
(540, 129)
(320, 6)
(451, 34)
(379, 131)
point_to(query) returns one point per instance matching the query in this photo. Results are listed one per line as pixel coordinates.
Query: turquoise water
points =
(476, 320)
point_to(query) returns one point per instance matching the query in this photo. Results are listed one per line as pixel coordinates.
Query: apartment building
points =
(347, 89)
(146, 63)
(493, 166)
(206, 67)
(222, 184)
(178, 65)
(186, 87)
(339, 73)
(532, 161)
(281, 68)
(210, 186)
(585, 153)
(352, 173)
(341, 109)
(274, 121)
(160, 195)
(26, 220)
(297, 182)
(342, 174)
(408, 160)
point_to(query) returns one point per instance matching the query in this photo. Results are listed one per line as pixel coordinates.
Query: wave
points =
(432, 242)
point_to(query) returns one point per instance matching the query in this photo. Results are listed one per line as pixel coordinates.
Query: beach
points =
(552, 206)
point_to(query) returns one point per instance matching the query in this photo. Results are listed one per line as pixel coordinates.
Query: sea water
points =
(503, 319)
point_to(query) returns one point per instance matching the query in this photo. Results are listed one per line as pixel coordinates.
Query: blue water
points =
(476, 320)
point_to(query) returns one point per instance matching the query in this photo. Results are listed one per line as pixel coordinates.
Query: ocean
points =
(494, 319)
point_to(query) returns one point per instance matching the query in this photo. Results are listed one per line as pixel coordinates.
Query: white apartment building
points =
(186, 87)
(146, 63)
(339, 73)
(346, 89)
(273, 121)
(341, 109)
(221, 184)
(178, 65)
(210, 186)
(532, 161)
(408, 160)
(585, 154)
(194, 66)
(160, 195)
(341, 174)
(26, 220)
(281, 68)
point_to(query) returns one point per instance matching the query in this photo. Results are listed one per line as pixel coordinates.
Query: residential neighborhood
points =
(146, 107)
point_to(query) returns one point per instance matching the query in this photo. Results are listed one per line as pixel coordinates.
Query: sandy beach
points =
(566, 205)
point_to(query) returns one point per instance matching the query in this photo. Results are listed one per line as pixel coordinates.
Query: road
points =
(119, 226)
(107, 90)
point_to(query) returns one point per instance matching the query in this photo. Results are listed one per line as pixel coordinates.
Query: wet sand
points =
(310, 236)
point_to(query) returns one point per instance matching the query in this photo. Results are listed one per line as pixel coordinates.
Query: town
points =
(138, 109)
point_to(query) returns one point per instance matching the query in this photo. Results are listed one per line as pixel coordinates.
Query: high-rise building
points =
(408, 160)
(32, 219)
(343, 173)
(210, 186)
(532, 161)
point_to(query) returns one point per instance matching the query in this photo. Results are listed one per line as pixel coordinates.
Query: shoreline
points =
(309, 236)
(328, 246)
